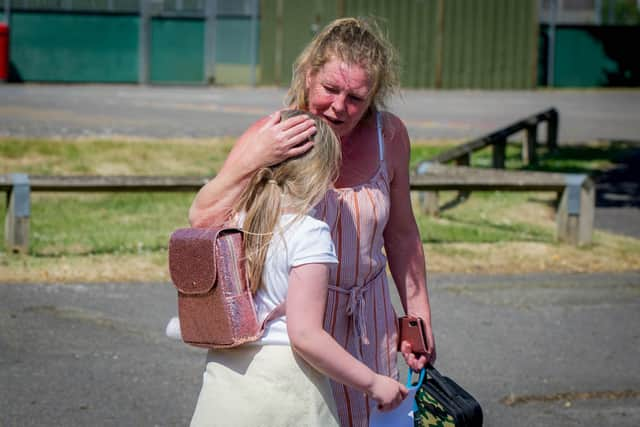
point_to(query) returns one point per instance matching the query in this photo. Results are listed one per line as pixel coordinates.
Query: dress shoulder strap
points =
(380, 137)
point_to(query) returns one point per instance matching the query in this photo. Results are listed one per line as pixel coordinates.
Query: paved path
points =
(80, 355)
(177, 112)
(618, 197)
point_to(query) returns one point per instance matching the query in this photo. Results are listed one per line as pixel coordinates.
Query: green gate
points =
(177, 51)
(74, 47)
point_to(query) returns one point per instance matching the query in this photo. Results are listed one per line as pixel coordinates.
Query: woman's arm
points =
(266, 142)
(306, 301)
(403, 245)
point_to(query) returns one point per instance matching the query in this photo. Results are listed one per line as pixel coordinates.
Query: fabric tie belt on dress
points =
(356, 306)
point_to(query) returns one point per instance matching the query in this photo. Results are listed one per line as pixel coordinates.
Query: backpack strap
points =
(280, 310)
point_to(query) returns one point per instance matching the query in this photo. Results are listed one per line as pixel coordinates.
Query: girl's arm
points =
(306, 301)
(266, 142)
(403, 245)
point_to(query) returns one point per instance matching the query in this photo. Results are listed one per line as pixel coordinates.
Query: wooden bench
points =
(461, 154)
(575, 211)
(20, 186)
(574, 218)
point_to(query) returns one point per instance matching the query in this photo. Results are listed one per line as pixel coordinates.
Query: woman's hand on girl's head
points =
(277, 140)
(387, 392)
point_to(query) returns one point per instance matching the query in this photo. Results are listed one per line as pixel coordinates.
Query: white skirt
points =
(268, 385)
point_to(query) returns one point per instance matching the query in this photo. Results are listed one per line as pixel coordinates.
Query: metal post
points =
(279, 43)
(211, 16)
(439, 55)
(252, 43)
(16, 225)
(144, 42)
(611, 10)
(551, 52)
(7, 12)
(576, 212)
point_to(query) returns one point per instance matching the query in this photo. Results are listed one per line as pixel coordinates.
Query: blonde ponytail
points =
(296, 184)
(262, 210)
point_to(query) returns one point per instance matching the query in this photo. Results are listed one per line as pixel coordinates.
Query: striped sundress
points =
(359, 314)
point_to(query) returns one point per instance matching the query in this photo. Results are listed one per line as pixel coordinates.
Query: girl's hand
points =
(388, 392)
(276, 140)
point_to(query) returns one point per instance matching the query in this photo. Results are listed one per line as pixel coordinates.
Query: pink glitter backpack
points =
(215, 304)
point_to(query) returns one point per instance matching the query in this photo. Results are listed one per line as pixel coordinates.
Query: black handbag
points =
(441, 402)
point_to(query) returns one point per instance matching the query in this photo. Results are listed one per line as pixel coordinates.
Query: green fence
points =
(488, 44)
(177, 50)
(285, 27)
(442, 44)
(177, 47)
(73, 47)
(588, 56)
(233, 50)
(105, 47)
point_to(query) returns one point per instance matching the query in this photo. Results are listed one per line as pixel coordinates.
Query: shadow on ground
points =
(620, 186)
(617, 184)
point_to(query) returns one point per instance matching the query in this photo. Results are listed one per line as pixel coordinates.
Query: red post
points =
(4, 52)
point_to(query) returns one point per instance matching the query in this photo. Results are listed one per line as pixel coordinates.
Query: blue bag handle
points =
(423, 372)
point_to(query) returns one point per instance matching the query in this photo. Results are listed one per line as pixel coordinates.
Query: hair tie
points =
(272, 181)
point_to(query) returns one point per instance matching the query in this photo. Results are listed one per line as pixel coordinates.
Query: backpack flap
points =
(192, 259)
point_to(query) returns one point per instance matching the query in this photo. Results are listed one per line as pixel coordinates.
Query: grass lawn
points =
(123, 236)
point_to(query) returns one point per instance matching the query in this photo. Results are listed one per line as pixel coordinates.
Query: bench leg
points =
(464, 160)
(529, 154)
(552, 131)
(16, 225)
(576, 212)
(498, 154)
(429, 203)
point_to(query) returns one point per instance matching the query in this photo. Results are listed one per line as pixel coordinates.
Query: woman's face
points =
(340, 94)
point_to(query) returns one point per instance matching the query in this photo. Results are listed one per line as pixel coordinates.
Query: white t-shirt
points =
(294, 242)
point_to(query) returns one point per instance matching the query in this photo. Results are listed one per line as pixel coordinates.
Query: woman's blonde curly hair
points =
(355, 41)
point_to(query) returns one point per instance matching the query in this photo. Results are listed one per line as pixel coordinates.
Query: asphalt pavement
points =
(556, 350)
(536, 350)
(182, 112)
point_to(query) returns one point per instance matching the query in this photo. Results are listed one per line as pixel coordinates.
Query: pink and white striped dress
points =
(359, 313)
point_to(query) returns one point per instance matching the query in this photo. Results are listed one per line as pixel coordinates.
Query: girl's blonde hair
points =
(355, 41)
(297, 184)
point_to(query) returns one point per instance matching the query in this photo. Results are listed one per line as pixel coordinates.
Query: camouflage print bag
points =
(441, 402)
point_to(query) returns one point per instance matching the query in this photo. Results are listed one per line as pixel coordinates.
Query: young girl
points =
(281, 380)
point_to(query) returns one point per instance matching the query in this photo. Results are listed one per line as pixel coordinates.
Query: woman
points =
(344, 76)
